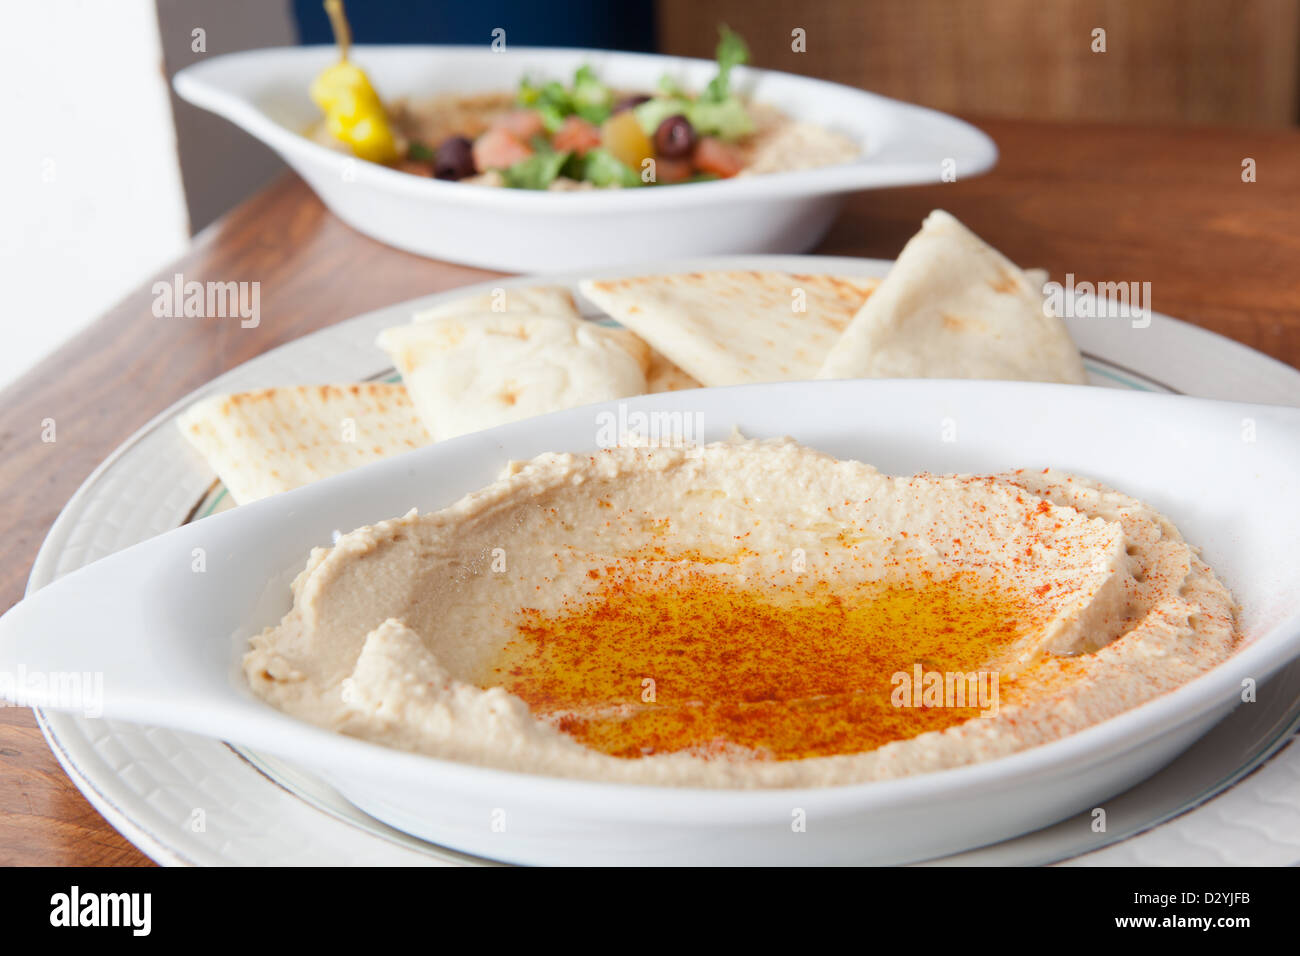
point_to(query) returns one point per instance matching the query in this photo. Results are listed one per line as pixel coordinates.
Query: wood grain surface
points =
(1191, 61)
(1164, 205)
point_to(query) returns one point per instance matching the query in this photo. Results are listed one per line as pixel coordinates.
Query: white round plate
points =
(1233, 798)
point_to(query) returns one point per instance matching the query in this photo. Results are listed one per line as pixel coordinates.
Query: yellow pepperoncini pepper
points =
(354, 114)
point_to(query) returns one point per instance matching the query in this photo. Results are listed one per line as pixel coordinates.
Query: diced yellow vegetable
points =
(621, 135)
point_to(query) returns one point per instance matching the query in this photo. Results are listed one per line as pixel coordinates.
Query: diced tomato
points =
(522, 124)
(672, 170)
(498, 149)
(576, 135)
(714, 156)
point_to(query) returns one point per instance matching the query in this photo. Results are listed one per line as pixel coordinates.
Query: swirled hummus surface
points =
(746, 614)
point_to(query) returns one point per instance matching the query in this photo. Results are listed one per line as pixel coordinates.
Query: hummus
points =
(780, 144)
(746, 614)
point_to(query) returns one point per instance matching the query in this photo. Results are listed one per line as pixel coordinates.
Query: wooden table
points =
(1105, 202)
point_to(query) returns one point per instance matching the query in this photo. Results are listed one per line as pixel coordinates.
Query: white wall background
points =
(91, 197)
(90, 189)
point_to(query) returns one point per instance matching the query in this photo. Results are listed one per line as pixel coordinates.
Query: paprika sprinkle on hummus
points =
(693, 662)
(744, 614)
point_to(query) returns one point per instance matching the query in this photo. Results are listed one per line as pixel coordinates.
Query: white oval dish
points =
(175, 636)
(265, 93)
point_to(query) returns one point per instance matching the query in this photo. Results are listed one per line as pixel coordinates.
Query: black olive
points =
(454, 158)
(629, 102)
(675, 138)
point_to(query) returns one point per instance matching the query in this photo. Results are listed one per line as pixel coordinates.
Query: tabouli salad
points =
(581, 135)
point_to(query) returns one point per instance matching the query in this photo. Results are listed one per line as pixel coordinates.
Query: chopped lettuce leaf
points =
(593, 113)
(732, 51)
(550, 99)
(670, 87)
(552, 116)
(601, 168)
(591, 98)
(536, 172)
(420, 151)
(716, 112)
(529, 93)
(575, 167)
(726, 119)
(554, 94)
(654, 111)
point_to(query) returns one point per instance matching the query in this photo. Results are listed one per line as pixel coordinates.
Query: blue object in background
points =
(624, 25)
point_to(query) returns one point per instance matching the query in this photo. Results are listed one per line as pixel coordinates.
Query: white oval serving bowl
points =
(167, 640)
(265, 93)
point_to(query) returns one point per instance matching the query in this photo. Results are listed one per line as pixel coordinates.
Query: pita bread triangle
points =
(730, 328)
(275, 439)
(955, 307)
(472, 371)
(544, 299)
